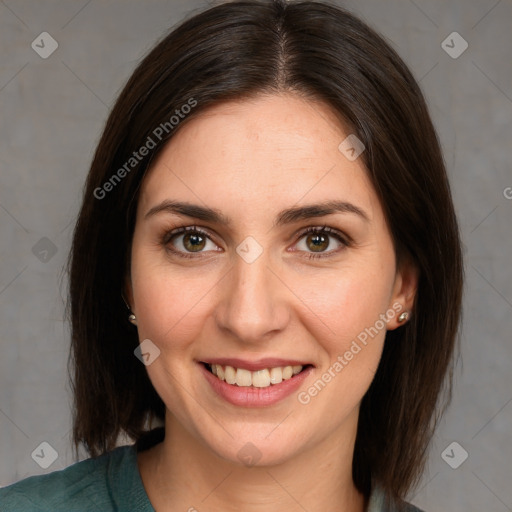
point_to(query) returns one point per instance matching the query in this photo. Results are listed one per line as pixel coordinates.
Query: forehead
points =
(255, 153)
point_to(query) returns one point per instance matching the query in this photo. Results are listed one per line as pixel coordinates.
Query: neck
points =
(181, 473)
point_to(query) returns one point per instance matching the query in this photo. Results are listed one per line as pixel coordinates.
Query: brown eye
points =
(187, 241)
(317, 242)
(194, 242)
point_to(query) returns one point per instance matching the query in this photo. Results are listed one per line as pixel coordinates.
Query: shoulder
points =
(407, 507)
(378, 503)
(85, 485)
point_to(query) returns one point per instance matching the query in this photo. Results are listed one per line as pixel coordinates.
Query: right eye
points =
(188, 240)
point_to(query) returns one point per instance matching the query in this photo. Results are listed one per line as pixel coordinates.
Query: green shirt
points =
(108, 483)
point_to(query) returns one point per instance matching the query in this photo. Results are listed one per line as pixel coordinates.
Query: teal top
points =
(108, 483)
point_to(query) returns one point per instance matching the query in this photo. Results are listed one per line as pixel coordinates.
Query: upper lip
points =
(260, 364)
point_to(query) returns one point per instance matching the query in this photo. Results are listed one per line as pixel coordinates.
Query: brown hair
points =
(234, 51)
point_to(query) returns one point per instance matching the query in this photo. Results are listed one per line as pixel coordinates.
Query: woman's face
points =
(246, 287)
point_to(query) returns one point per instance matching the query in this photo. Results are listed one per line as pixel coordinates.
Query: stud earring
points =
(131, 318)
(403, 317)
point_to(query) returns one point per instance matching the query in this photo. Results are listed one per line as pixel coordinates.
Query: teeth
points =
(259, 379)
(229, 374)
(243, 377)
(287, 372)
(276, 375)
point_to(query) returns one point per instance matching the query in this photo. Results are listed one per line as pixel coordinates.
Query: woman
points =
(270, 202)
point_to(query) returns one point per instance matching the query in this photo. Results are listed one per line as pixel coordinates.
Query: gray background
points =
(52, 113)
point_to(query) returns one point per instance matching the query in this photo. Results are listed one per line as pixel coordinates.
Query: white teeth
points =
(243, 377)
(259, 379)
(287, 372)
(230, 375)
(276, 375)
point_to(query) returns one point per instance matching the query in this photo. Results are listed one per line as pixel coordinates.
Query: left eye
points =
(318, 240)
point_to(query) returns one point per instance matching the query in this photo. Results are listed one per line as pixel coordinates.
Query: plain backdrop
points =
(52, 113)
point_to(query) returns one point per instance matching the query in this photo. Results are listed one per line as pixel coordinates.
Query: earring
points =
(131, 318)
(403, 317)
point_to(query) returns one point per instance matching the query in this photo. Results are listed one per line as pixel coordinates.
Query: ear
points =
(404, 292)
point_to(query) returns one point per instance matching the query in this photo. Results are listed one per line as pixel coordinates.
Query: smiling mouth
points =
(263, 378)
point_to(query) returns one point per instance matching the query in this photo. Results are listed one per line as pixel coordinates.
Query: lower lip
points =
(255, 397)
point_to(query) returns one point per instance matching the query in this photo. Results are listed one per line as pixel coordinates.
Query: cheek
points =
(170, 304)
(350, 333)
(342, 304)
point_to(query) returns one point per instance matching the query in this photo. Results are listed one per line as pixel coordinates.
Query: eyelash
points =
(343, 239)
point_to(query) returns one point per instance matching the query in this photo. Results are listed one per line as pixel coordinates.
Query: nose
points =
(253, 305)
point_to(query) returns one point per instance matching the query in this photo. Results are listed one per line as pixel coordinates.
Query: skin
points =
(250, 160)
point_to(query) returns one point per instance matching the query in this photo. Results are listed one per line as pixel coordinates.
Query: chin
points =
(255, 447)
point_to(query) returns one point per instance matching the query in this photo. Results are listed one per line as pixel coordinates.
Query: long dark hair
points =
(234, 51)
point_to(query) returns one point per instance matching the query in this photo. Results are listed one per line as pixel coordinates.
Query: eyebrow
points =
(288, 216)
